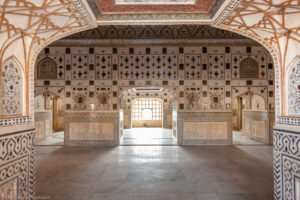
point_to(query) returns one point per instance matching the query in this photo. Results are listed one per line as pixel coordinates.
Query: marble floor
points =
(56, 138)
(239, 139)
(148, 136)
(154, 173)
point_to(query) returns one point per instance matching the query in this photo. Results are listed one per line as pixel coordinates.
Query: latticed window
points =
(147, 109)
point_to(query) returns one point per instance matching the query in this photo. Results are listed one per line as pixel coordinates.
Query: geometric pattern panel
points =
(147, 67)
(12, 88)
(291, 171)
(193, 67)
(17, 164)
(216, 67)
(294, 89)
(286, 161)
(103, 66)
(80, 67)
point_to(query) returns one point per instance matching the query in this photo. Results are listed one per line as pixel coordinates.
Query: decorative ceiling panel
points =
(107, 10)
(274, 21)
(155, 2)
(34, 22)
(155, 32)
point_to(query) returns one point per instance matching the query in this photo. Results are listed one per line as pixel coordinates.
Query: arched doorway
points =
(49, 118)
(148, 117)
(252, 120)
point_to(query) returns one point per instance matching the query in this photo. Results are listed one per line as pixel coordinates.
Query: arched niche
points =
(258, 103)
(293, 85)
(12, 86)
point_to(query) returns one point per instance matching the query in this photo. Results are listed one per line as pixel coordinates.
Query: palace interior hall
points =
(150, 99)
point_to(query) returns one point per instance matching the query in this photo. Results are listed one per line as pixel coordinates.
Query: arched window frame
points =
(46, 75)
(242, 75)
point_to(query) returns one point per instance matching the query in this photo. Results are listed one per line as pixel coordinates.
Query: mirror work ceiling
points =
(131, 10)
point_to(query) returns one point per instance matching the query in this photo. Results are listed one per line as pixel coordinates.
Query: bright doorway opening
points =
(149, 118)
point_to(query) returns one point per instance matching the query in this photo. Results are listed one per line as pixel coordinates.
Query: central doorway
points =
(147, 113)
(147, 116)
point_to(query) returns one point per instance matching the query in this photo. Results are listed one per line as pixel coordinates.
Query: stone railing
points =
(91, 128)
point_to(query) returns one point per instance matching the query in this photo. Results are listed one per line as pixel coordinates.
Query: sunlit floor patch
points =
(148, 136)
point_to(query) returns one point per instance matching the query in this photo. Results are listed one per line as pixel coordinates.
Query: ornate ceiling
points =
(108, 10)
(155, 32)
(154, 35)
(274, 21)
(27, 24)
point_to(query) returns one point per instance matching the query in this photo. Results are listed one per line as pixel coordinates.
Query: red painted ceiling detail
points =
(109, 7)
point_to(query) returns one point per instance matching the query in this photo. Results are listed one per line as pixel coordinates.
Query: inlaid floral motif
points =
(11, 89)
(294, 89)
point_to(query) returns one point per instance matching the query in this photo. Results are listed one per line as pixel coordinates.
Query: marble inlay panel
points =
(258, 128)
(91, 131)
(205, 130)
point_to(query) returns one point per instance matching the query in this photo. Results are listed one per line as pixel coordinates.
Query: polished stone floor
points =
(148, 136)
(56, 138)
(239, 139)
(155, 173)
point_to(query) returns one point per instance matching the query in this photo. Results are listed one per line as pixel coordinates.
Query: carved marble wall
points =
(202, 78)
